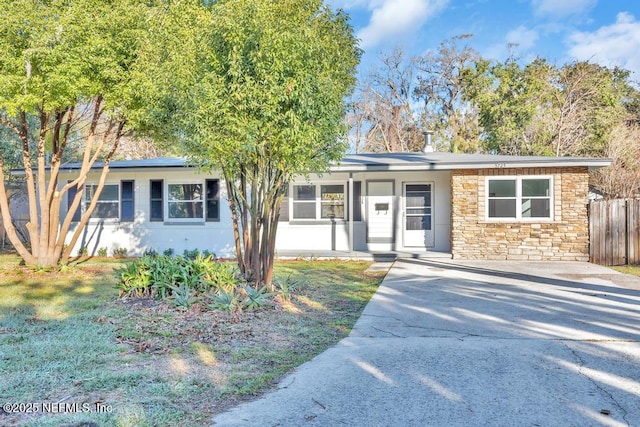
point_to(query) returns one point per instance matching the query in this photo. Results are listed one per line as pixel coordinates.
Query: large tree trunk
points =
(46, 233)
(254, 199)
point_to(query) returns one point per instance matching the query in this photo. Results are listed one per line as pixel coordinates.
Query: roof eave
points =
(442, 166)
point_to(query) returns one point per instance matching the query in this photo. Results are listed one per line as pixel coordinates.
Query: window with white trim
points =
(304, 202)
(108, 204)
(185, 201)
(519, 198)
(115, 202)
(318, 201)
(332, 201)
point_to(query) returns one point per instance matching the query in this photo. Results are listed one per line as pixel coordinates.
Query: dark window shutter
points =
(157, 201)
(71, 194)
(284, 207)
(127, 200)
(357, 208)
(357, 205)
(213, 200)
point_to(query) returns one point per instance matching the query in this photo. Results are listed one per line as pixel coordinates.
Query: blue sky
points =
(603, 31)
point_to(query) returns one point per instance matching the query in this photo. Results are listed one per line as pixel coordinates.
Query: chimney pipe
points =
(428, 143)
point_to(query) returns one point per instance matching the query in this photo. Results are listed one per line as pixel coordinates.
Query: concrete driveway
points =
(474, 344)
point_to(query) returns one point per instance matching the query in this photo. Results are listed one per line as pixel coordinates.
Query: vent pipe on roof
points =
(428, 143)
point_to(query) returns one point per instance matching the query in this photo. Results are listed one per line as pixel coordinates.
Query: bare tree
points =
(586, 99)
(141, 148)
(622, 178)
(440, 87)
(382, 117)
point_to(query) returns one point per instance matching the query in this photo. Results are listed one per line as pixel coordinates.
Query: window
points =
(185, 201)
(519, 198)
(107, 206)
(332, 201)
(418, 207)
(304, 202)
(318, 201)
(114, 202)
(188, 202)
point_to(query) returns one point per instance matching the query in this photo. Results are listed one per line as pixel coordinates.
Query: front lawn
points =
(628, 269)
(72, 352)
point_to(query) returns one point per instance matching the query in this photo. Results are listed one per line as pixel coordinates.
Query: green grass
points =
(629, 269)
(65, 337)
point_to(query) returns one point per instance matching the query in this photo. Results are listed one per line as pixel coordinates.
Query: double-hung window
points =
(318, 201)
(519, 198)
(304, 202)
(107, 205)
(115, 201)
(185, 202)
(332, 201)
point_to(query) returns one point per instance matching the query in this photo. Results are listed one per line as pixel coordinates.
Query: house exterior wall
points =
(565, 236)
(310, 236)
(142, 234)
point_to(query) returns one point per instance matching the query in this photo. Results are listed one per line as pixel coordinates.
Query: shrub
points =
(168, 252)
(150, 252)
(255, 298)
(164, 274)
(191, 254)
(286, 287)
(225, 300)
(102, 252)
(120, 252)
(183, 296)
(206, 253)
(83, 251)
(134, 278)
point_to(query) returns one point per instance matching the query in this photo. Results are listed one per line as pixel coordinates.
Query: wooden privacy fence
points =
(614, 232)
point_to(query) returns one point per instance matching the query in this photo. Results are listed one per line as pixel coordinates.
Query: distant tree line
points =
(475, 105)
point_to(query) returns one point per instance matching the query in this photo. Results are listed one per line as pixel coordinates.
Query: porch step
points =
(388, 256)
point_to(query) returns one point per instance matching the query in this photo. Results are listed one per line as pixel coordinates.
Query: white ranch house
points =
(459, 205)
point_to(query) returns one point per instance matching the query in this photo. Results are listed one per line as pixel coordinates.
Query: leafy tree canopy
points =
(261, 97)
(69, 72)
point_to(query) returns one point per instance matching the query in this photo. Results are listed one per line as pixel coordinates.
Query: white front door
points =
(418, 215)
(380, 223)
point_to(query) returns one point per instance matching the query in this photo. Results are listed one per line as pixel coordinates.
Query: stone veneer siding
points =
(565, 238)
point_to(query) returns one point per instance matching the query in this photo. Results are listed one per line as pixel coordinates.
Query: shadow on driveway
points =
(474, 343)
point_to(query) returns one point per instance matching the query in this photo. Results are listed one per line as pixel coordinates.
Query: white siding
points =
(310, 236)
(142, 235)
(321, 235)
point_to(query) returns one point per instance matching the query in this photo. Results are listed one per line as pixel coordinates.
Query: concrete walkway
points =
(455, 343)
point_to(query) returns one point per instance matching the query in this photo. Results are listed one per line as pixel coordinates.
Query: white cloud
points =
(612, 45)
(523, 37)
(518, 42)
(394, 18)
(562, 8)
